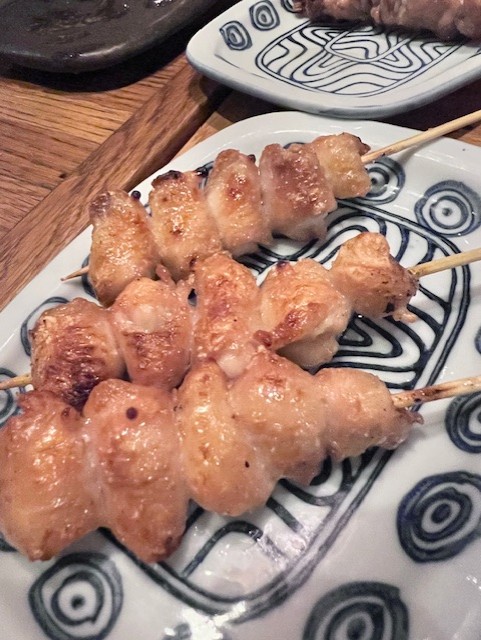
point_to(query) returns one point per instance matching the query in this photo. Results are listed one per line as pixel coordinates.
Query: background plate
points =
(83, 35)
(262, 47)
(382, 546)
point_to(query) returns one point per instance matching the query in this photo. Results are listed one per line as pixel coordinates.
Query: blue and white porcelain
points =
(387, 545)
(264, 48)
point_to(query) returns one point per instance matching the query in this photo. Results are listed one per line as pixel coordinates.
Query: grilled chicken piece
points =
(279, 405)
(227, 313)
(224, 470)
(63, 475)
(360, 413)
(182, 226)
(135, 452)
(233, 195)
(374, 282)
(303, 312)
(73, 349)
(152, 322)
(123, 247)
(46, 501)
(242, 205)
(468, 19)
(296, 194)
(340, 157)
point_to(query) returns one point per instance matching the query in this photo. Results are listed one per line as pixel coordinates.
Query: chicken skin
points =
(152, 322)
(295, 192)
(123, 247)
(183, 227)
(374, 282)
(73, 349)
(234, 197)
(227, 313)
(303, 312)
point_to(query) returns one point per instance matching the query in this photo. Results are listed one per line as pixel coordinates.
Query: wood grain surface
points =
(62, 140)
(146, 141)
(52, 131)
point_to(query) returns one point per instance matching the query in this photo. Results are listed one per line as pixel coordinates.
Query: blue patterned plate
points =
(384, 546)
(262, 47)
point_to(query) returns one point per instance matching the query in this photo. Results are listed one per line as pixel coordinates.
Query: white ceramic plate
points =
(384, 546)
(261, 47)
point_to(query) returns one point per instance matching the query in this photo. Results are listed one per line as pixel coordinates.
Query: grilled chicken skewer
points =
(291, 192)
(146, 334)
(135, 455)
(151, 333)
(298, 193)
(300, 310)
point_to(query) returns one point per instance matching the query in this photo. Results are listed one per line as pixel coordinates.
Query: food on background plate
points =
(447, 19)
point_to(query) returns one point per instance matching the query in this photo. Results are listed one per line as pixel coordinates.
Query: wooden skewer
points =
(448, 262)
(418, 271)
(423, 136)
(75, 274)
(401, 400)
(17, 381)
(460, 387)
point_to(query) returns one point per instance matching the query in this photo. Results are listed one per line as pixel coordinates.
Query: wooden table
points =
(65, 138)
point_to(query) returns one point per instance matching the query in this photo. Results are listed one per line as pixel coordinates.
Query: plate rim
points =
(200, 52)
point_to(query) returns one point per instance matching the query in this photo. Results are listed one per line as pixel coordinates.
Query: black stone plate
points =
(85, 35)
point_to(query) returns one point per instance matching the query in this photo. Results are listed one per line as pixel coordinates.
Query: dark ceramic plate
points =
(83, 35)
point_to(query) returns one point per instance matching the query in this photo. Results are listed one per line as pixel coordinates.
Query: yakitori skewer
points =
(418, 271)
(291, 309)
(135, 455)
(460, 387)
(78, 273)
(445, 263)
(295, 303)
(422, 137)
(236, 173)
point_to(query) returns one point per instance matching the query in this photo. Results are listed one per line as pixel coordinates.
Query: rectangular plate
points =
(265, 49)
(388, 542)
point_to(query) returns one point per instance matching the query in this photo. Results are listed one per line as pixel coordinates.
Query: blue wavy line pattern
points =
(288, 5)
(362, 61)
(477, 340)
(450, 207)
(236, 36)
(264, 16)
(5, 546)
(387, 180)
(8, 406)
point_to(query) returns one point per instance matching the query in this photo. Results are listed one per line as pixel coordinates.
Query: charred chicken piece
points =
(73, 349)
